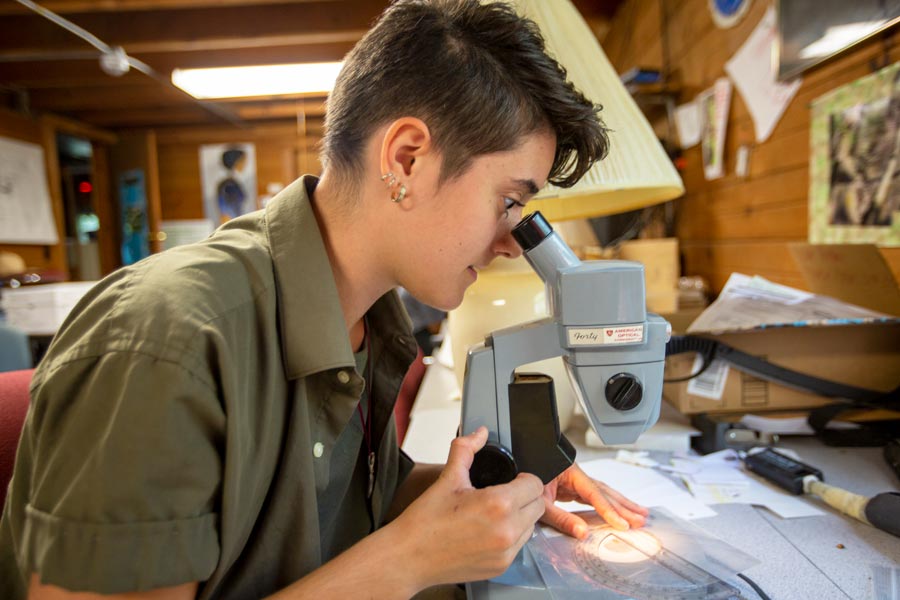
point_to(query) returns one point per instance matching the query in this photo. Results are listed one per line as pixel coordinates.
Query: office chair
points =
(14, 401)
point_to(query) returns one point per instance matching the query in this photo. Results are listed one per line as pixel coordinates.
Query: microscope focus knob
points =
(623, 391)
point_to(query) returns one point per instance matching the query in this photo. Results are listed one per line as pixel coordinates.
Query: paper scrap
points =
(687, 124)
(753, 73)
(711, 382)
(643, 486)
(714, 105)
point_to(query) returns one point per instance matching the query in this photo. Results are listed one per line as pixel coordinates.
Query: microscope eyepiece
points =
(531, 231)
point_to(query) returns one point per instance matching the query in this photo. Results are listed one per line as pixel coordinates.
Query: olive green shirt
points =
(196, 419)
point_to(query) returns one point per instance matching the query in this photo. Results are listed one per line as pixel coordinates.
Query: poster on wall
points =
(854, 194)
(133, 211)
(228, 175)
(714, 104)
(26, 214)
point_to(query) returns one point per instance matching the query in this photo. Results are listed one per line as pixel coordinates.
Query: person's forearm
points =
(419, 480)
(377, 567)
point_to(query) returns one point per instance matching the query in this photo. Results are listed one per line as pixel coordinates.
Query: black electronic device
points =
(783, 471)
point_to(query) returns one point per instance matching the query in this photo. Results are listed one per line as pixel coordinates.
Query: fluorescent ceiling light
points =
(263, 80)
(837, 38)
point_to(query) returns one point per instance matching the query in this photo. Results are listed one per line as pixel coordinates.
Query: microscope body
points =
(613, 351)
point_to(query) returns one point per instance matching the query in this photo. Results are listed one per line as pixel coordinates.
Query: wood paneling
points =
(282, 154)
(738, 224)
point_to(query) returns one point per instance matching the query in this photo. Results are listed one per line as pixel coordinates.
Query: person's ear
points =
(406, 141)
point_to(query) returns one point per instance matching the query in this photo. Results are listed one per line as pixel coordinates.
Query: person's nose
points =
(505, 245)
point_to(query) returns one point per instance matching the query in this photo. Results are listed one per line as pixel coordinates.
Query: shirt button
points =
(343, 377)
(318, 449)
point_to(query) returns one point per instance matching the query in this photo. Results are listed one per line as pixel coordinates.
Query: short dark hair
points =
(477, 74)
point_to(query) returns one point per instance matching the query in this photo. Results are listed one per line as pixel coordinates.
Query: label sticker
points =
(711, 383)
(596, 336)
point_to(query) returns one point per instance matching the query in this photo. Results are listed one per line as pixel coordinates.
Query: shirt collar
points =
(313, 334)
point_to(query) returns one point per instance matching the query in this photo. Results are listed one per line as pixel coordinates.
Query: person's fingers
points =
(564, 521)
(634, 519)
(605, 508)
(524, 489)
(624, 501)
(523, 539)
(462, 453)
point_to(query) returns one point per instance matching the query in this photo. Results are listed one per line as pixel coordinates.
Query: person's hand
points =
(455, 533)
(574, 484)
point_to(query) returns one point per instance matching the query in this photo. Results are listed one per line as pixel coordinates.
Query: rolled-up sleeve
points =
(125, 458)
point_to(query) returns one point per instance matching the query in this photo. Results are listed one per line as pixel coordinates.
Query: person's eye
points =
(509, 204)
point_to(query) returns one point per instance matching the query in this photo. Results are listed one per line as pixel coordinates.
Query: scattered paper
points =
(643, 486)
(719, 478)
(752, 302)
(687, 124)
(753, 73)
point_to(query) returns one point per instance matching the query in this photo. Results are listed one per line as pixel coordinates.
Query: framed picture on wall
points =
(228, 175)
(854, 194)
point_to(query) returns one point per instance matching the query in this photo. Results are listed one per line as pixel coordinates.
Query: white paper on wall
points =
(753, 72)
(26, 214)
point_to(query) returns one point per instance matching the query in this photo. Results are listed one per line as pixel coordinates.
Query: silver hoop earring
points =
(389, 179)
(401, 194)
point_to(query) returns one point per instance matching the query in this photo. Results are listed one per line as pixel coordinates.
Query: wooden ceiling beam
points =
(171, 46)
(153, 95)
(64, 7)
(192, 26)
(61, 73)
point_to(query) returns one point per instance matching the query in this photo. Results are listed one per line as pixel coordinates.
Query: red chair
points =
(14, 401)
(407, 396)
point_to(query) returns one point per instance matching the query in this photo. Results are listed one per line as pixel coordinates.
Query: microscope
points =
(613, 352)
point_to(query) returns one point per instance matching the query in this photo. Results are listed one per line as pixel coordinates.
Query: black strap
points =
(849, 397)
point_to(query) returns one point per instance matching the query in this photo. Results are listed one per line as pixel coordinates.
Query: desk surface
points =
(824, 557)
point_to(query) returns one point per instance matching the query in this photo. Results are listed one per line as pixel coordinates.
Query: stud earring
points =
(401, 194)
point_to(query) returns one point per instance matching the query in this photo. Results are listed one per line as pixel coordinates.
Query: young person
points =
(215, 421)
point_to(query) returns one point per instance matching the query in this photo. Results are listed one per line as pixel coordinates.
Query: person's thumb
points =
(462, 453)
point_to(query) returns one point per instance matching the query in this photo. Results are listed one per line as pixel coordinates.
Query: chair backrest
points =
(15, 350)
(14, 402)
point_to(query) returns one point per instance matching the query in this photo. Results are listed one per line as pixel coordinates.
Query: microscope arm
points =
(519, 410)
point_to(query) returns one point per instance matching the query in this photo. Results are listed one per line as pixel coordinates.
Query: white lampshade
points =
(636, 173)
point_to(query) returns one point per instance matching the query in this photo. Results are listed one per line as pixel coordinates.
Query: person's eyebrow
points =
(527, 185)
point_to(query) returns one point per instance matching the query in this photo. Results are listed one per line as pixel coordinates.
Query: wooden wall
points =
(282, 154)
(737, 224)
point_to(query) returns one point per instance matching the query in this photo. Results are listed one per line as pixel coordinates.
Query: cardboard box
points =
(865, 353)
(41, 309)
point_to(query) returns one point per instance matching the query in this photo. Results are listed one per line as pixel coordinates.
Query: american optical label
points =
(596, 336)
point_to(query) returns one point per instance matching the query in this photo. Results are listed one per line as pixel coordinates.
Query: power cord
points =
(756, 588)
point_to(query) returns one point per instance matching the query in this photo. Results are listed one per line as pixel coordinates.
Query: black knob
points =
(623, 391)
(493, 465)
